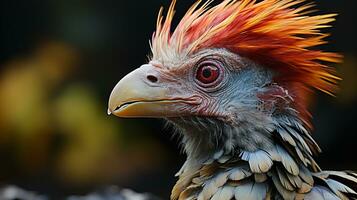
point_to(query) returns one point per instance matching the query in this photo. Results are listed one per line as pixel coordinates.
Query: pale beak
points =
(136, 95)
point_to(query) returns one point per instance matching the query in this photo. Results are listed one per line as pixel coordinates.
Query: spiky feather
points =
(280, 34)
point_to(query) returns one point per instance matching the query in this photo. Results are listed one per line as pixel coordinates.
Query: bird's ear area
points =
(280, 98)
(275, 98)
(150, 91)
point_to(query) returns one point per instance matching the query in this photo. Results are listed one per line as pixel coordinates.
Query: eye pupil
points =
(207, 73)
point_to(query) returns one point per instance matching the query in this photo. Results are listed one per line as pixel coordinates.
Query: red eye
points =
(208, 73)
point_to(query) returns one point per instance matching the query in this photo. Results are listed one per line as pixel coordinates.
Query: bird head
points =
(237, 64)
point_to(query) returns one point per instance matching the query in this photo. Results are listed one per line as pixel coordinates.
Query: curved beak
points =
(136, 96)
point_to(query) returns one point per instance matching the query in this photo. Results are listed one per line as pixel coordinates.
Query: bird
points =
(235, 79)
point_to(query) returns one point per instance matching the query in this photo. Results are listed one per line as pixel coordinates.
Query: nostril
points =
(152, 78)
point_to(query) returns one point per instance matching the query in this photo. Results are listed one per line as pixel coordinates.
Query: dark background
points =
(59, 61)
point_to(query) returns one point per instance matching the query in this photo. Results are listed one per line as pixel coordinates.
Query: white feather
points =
(251, 191)
(239, 173)
(288, 162)
(224, 193)
(260, 162)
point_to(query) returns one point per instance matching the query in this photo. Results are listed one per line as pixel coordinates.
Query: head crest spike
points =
(275, 33)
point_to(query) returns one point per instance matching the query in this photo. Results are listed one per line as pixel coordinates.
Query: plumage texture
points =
(286, 178)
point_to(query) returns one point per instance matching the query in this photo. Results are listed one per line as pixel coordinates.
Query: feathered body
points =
(246, 133)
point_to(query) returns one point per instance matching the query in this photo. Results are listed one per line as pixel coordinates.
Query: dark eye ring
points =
(208, 73)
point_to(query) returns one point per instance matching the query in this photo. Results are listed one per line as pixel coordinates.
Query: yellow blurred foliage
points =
(38, 103)
(25, 90)
(92, 136)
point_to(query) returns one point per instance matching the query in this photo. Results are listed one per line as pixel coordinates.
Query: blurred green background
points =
(60, 59)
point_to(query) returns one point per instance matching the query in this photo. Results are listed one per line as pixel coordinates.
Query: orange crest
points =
(275, 33)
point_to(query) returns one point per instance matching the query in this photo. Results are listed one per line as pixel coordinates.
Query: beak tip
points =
(109, 112)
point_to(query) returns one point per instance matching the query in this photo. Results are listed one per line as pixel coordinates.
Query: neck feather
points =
(208, 142)
(205, 138)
